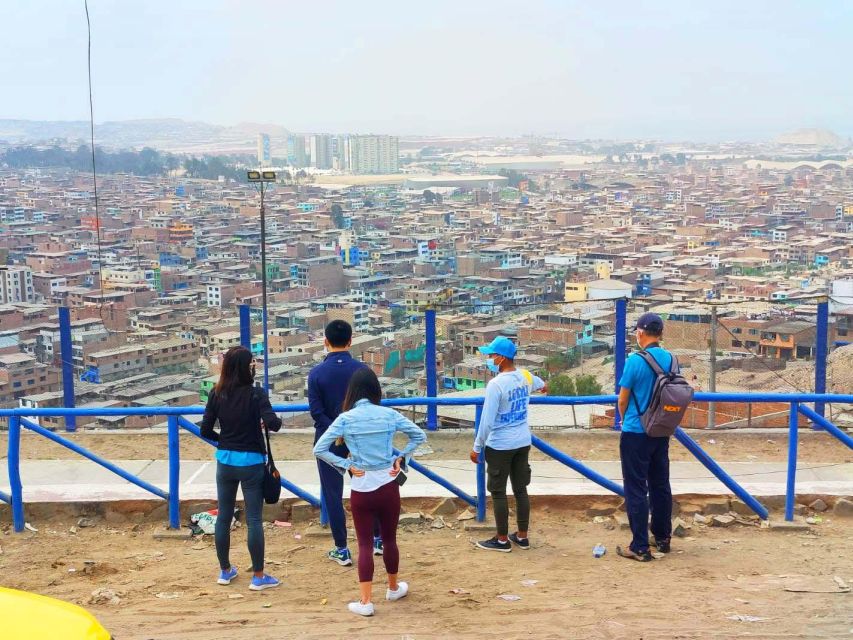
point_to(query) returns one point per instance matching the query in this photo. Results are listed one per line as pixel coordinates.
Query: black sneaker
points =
(493, 544)
(663, 546)
(521, 543)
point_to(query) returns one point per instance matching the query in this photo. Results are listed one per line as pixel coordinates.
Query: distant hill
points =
(168, 134)
(813, 138)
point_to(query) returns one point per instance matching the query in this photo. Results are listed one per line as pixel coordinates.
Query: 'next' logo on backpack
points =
(671, 408)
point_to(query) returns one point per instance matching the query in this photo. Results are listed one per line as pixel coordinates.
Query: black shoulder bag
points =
(272, 478)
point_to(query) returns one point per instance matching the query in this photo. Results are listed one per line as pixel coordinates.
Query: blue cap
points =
(500, 346)
(650, 321)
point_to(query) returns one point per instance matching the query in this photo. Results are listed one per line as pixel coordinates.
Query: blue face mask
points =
(490, 363)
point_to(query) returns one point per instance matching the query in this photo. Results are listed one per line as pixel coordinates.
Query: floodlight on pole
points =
(263, 177)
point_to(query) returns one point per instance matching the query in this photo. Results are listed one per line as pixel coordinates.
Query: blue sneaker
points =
(225, 577)
(341, 556)
(377, 547)
(267, 582)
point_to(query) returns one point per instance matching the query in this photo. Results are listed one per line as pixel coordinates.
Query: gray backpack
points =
(671, 395)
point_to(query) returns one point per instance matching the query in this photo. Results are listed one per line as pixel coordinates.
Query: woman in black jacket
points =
(240, 409)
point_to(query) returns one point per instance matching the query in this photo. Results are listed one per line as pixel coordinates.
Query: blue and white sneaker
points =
(378, 550)
(267, 582)
(342, 556)
(225, 577)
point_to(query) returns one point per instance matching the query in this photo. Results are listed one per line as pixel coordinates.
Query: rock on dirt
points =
(722, 521)
(818, 505)
(679, 528)
(445, 508)
(410, 518)
(843, 508)
(105, 596)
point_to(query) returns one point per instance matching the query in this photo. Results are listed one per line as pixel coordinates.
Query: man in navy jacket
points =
(327, 386)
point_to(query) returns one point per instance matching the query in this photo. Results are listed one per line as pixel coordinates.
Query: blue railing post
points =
(481, 471)
(174, 473)
(821, 343)
(245, 327)
(14, 462)
(790, 489)
(67, 366)
(429, 363)
(619, 354)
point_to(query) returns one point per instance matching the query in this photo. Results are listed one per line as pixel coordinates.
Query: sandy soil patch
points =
(167, 589)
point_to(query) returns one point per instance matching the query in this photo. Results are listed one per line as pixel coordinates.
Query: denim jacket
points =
(368, 431)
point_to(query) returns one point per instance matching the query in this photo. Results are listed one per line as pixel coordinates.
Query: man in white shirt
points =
(504, 437)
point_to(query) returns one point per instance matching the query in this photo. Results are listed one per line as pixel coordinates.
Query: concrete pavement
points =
(77, 480)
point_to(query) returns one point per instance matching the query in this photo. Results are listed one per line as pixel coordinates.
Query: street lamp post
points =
(262, 178)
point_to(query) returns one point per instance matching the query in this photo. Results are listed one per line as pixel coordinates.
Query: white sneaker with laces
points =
(401, 592)
(360, 609)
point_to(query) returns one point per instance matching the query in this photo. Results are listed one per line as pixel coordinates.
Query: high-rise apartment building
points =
(374, 154)
(321, 151)
(16, 284)
(340, 153)
(264, 151)
(297, 153)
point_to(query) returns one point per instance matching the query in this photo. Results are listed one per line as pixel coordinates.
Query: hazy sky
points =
(666, 69)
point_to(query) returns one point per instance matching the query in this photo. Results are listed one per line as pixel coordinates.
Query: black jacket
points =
(239, 414)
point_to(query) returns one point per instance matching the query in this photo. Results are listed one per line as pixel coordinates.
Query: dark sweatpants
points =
(509, 464)
(645, 475)
(382, 505)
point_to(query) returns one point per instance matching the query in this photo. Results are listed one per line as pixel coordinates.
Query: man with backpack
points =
(652, 401)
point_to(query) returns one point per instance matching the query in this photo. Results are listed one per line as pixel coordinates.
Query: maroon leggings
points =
(383, 505)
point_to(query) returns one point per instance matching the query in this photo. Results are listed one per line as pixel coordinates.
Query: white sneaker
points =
(401, 592)
(360, 609)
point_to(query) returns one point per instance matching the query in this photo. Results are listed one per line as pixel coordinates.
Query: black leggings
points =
(512, 464)
(228, 478)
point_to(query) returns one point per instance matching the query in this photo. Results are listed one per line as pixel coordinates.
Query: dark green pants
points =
(511, 464)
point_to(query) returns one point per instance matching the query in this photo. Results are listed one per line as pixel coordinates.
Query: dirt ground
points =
(167, 589)
(731, 446)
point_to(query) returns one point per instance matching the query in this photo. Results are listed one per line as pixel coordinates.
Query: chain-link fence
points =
(748, 346)
(839, 368)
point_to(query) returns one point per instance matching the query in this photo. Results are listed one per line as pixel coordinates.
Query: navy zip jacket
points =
(327, 386)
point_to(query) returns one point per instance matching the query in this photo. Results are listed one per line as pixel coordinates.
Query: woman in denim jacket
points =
(368, 430)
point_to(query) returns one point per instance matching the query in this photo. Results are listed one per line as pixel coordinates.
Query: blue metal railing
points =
(18, 419)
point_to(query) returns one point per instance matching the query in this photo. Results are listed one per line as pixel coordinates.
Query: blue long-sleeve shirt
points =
(368, 431)
(503, 423)
(327, 386)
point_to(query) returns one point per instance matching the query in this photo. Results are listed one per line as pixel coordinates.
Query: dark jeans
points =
(332, 487)
(512, 464)
(368, 508)
(645, 474)
(251, 478)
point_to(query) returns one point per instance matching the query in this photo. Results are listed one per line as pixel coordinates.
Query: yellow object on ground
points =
(28, 616)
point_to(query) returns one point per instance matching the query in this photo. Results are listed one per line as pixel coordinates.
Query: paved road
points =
(82, 480)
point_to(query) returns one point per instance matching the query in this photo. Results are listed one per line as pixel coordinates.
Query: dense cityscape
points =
(532, 238)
